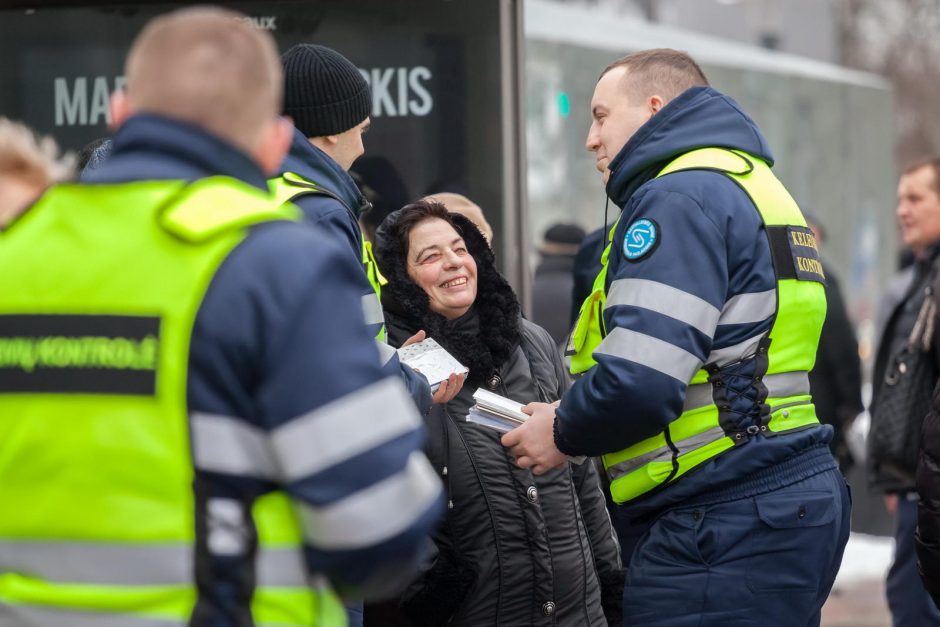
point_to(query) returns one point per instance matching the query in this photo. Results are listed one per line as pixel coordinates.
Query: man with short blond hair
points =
(232, 82)
(661, 71)
(188, 392)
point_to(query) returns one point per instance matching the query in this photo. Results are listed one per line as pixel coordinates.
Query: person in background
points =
(28, 166)
(705, 423)
(515, 549)
(587, 264)
(836, 379)
(458, 203)
(918, 214)
(383, 187)
(188, 419)
(554, 280)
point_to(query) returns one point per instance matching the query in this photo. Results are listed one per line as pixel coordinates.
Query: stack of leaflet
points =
(496, 412)
(430, 359)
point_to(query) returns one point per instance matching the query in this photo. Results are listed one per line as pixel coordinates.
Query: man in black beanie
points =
(329, 102)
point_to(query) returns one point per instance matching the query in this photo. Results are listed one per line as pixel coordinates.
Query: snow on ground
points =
(866, 558)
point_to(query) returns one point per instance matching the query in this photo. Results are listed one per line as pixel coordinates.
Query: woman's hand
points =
(414, 339)
(449, 388)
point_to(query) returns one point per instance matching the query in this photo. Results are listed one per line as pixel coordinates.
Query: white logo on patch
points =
(640, 239)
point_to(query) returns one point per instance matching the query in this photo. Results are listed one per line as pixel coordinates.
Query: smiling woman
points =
(513, 545)
(439, 263)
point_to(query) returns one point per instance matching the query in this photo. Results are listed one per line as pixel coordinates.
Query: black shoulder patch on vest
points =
(795, 254)
(79, 354)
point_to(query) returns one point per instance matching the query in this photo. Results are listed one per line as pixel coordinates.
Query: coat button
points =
(532, 494)
(494, 381)
(548, 608)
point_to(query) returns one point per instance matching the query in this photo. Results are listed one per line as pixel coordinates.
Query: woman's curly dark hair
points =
(496, 304)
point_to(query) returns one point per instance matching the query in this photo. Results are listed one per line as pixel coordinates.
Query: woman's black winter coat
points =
(514, 549)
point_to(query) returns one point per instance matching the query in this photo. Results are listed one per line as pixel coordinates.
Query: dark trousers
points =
(910, 604)
(763, 560)
(354, 613)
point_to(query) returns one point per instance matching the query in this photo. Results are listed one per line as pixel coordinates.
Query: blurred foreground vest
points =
(99, 296)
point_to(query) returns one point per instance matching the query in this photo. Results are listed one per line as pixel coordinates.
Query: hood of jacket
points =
(313, 164)
(699, 117)
(484, 337)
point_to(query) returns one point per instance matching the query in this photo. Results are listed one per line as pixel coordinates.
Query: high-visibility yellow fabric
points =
(107, 469)
(290, 186)
(801, 309)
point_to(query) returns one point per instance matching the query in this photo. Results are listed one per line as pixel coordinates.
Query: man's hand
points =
(448, 389)
(533, 442)
(891, 503)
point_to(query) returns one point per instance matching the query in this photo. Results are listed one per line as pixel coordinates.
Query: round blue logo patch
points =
(640, 240)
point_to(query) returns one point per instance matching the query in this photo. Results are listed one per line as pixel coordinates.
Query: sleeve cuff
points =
(561, 443)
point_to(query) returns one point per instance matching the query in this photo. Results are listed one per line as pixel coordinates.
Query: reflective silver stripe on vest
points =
(98, 563)
(749, 308)
(650, 352)
(664, 453)
(33, 616)
(349, 426)
(737, 352)
(372, 309)
(376, 513)
(784, 384)
(666, 300)
(386, 352)
(281, 567)
(780, 385)
(345, 428)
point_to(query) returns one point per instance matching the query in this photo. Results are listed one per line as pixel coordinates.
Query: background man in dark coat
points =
(918, 214)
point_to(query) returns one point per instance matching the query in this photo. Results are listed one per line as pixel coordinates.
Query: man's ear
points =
(120, 109)
(655, 104)
(326, 143)
(273, 145)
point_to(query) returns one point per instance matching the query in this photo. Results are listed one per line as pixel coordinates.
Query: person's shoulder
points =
(536, 336)
(283, 253)
(707, 197)
(709, 189)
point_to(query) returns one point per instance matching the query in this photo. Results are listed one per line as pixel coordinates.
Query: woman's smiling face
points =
(438, 261)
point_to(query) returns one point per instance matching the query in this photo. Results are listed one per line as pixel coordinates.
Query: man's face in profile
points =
(615, 119)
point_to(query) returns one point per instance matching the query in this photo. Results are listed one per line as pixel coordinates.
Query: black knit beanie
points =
(323, 92)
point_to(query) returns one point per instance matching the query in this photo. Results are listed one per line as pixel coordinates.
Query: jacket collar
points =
(699, 117)
(153, 147)
(315, 165)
